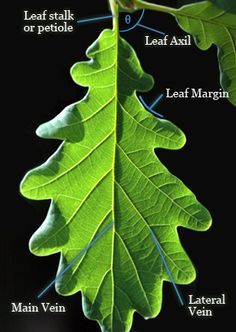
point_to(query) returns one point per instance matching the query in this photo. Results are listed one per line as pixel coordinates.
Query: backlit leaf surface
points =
(106, 170)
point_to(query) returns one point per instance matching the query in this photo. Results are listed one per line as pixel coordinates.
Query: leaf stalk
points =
(115, 13)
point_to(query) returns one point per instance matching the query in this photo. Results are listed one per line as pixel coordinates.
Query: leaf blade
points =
(210, 22)
(109, 172)
(209, 25)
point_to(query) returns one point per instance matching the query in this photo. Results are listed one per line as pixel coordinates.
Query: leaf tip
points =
(42, 131)
(23, 186)
(205, 220)
(182, 139)
(35, 245)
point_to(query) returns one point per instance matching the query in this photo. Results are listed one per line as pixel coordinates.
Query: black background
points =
(39, 88)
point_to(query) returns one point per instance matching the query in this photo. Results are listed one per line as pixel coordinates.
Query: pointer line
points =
(166, 267)
(157, 101)
(149, 107)
(93, 19)
(84, 251)
(151, 29)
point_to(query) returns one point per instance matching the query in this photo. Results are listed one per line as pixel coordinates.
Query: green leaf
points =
(209, 24)
(228, 5)
(106, 170)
